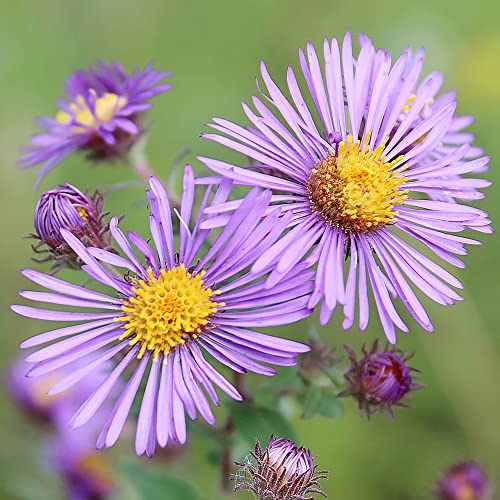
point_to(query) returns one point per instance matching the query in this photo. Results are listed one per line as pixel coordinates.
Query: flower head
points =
(33, 394)
(464, 481)
(86, 474)
(104, 115)
(380, 379)
(283, 471)
(168, 311)
(371, 172)
(66, 207)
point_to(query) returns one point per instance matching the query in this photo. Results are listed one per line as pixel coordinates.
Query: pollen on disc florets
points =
(167, 310)
(356, 189)
(106, 107)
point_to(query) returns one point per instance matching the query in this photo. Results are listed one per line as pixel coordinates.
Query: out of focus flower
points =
(380, 379)
(71, 453)
(379, 182)
(32, 394)
(104, 116)
(464, 481)
(66, 207)
(85, 473)
(169, 308)
(282, 471)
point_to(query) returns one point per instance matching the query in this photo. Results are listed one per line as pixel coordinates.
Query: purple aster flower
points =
(380, 379)
(33, 394)
(282, 471)
(86, 474)
(66, 207)
(371, 172)
(464, 481)
(170, 310)
(104, 115)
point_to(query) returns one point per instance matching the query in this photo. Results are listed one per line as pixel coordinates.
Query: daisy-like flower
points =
(85, 473)
(372, 172)
(104, 115)
(380, 379)
(170, 310)
(283, 471)
(66, 207)
(34, 397)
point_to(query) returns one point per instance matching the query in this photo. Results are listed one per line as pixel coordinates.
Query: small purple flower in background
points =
(66, 207)
(464, 481)
(282, 471)
(31, 393)
(352, 170)
(167, 310)
(104, 116)
(70, 453)
(379, 380)
(85, 473)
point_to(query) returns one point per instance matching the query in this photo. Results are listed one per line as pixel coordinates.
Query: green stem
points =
(142, 168)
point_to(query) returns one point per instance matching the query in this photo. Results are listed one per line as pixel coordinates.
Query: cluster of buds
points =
(380, 379)
(66, 207)
(464, 481)
(282, 471)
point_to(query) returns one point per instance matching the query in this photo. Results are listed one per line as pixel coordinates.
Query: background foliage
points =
(213, 48)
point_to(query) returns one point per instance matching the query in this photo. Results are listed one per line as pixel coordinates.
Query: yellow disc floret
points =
(167, 310)
(106, 108)
(356, 189)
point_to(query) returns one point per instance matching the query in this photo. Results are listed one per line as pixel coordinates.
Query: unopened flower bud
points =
(464, 481)
(379, 379)
(66, 207)
(283, 471)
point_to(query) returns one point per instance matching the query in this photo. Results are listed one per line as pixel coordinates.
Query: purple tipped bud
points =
(65, 207)
(379, 380)
(464, 481)
(282, 471)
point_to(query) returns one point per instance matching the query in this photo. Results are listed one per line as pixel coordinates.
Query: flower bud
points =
(282, 471)
(66, 207)
(464, 481)
(379, 380)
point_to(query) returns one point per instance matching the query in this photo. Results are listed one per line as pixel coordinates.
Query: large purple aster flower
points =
(169, 311)
(377, 179)
(104, 115)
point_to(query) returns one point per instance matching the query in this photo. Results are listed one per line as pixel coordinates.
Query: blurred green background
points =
(214, 48)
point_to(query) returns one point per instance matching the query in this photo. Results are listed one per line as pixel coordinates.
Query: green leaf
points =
(252, 421)
(322, 402)
(155, 484)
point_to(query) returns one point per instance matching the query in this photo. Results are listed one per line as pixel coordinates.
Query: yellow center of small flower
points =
(466, 492)
(83, 214)
(106, 108)
(356, 190)
(167, 310)
(99, 470)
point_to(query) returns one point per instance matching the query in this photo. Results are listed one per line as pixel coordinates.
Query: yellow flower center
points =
(83, 213)
(466, 492)
(106, 107)
(356, 190)
(99, 470)
(167, 310)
